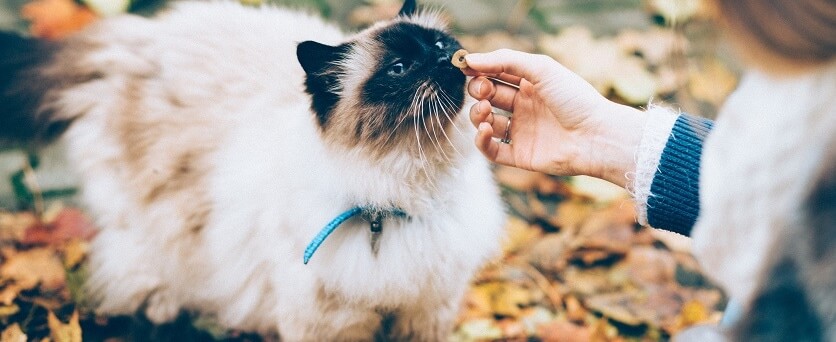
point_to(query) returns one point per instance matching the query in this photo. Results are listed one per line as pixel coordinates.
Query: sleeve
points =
(666, 185)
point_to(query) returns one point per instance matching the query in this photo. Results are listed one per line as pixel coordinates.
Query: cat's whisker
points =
(444, 131)
(423, 158)
(401, 120)
(453, 106)
(433, 136)
(435, 114)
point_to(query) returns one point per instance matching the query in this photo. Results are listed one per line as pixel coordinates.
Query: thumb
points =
(529, 66)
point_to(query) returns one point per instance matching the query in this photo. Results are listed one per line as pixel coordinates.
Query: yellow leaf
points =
(13, 334)
(60, 332)
(712, 83)
(28, 268)
(693, 312)
(574, 310)
(74, 252)
(8, 310)
(505, 298)
(519, 235)
(9, 293)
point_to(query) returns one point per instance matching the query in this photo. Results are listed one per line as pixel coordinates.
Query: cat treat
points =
(458, 59)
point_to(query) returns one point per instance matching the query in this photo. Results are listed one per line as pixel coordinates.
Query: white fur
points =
(272, 185)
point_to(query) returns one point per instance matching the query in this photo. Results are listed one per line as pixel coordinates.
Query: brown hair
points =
(793, 32)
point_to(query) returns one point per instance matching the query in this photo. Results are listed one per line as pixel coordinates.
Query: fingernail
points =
(483, 126)
(483, 85)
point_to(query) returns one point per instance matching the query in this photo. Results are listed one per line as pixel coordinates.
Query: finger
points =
(529, 66)
(490, 148)
(500, 95)
(503, 96)
(481, 112)
(480, 88)
(485, 143)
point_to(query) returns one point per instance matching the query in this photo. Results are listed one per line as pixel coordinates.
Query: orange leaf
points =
(69, 224)
(56, 19)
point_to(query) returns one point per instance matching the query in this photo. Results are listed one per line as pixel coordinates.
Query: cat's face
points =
(392, 84)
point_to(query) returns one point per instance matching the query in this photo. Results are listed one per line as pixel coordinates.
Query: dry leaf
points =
(519, 235)
(563, 331)
(574, 310)
(55, 19)
(570, 214)
(8, 310)
(28, 268)
(60, 332)
(13, 226)
(550, 254)
(13, 334)
(693, 312)
(517, 179)
(649, 265)
(505, 298)
(74, 252)
(68, 224)
(9, 293)
(712, 83)
(479, 330)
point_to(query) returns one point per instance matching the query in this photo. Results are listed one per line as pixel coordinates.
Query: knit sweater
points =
(746, 179)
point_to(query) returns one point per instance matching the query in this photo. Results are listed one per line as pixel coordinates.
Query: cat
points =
(214, 141)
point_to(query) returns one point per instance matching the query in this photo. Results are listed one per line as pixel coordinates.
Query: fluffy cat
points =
(213, 146)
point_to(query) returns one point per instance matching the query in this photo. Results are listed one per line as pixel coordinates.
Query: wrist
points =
(614, 145)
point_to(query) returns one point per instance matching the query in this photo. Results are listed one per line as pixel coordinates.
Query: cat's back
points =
(169, 93)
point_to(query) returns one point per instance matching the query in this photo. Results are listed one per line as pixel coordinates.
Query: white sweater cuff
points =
(657, 130)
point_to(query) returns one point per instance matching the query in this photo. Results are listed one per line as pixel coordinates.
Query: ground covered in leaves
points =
(575, 268)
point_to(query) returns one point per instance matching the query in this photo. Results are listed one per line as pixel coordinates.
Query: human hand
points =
(561, 124)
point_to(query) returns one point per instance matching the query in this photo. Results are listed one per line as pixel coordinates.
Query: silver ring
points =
(506, 139)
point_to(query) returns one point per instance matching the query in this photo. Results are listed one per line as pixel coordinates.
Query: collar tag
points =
(374, 216)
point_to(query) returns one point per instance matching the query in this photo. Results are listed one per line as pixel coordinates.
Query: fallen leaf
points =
(534, 317)
(9, 293)
(68, 224)
(506, 298)
(479, 330)
(55, 19)
(60, 332)
(712, 83)
(693, 312)
(519, 234)
(511, 328)
(571, 214)
(564, 331)
(74, 252)
(29, 268)
(13, 225)
(8, 310)
(649, 265)
(574, 310)
(517, 179)
(13, 334)
(550, 254)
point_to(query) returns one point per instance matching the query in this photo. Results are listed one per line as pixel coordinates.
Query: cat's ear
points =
(409, 7)
(320, 64)
(317, 57)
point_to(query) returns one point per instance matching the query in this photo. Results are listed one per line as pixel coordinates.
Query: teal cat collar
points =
(375, 217)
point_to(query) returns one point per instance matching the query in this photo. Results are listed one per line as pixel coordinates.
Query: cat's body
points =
(208, 172)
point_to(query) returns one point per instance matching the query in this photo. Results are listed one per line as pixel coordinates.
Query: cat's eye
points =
(440, 44)
(397, 68)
